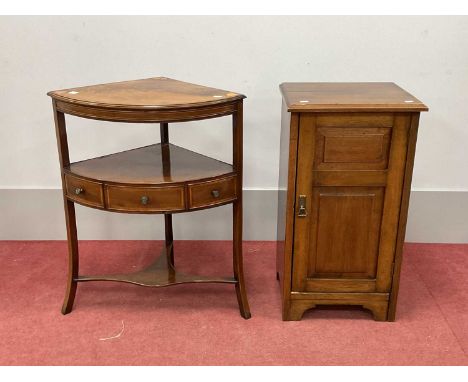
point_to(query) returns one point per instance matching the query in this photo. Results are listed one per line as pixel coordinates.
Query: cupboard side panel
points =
(286, 192)
(412, 138)
(392, 202)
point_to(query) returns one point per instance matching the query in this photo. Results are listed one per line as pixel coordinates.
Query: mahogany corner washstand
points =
(346, 161)
(157, 179)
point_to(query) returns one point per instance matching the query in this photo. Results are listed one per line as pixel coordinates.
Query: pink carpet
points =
(200, 324)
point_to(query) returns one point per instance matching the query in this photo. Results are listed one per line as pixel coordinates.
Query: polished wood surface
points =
(412, 138)
(286, 197)
(169, 237)
(148, 166)
(84, 191)
(158, 93)
(348, 96)
(237, 213)
(145, 199)
(143, 115)
(349, 197)
(70, 217)
(203, 194)
(377, 303)
(157, 99)
(352, 148)
(159, 178)
(352, 214)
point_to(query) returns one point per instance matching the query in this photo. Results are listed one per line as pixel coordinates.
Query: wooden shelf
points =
(160, 178)
(151, 165)
(160, 273)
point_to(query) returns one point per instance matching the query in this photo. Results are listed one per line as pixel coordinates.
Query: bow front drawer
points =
(145, 199)
(205, 194)
(84, 191)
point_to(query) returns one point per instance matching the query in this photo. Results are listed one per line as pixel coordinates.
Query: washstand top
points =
(157, 93)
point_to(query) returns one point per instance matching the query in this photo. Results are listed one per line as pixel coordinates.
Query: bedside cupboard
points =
(346, 162)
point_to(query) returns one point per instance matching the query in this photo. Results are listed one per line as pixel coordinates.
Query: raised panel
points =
(345, 233)
(350, 148)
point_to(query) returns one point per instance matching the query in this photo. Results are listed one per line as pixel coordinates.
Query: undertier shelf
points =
(159, 274)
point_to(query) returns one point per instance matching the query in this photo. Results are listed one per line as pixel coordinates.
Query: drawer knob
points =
(215, 193)
(144, 200)
(78, 191)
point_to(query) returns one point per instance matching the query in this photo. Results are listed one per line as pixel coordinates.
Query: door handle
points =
(302, 212)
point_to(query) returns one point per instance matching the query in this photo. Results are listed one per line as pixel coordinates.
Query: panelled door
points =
(350, 169)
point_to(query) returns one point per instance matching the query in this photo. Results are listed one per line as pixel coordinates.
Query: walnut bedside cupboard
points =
(157, 179)
(346, 161)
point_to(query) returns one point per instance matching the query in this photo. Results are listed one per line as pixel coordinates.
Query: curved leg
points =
(72, 257)
(237, 259)
(237, 212)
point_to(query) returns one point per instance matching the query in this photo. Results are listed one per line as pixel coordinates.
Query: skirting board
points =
(37, 214)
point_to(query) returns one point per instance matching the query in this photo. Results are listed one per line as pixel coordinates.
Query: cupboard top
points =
(348, 96)
(158, 93)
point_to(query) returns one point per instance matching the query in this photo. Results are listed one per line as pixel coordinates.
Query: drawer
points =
(84, 191)
(352, 148)
(145, 199)
(212, 193)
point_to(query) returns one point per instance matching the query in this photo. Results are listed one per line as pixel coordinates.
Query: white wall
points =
(428, 56)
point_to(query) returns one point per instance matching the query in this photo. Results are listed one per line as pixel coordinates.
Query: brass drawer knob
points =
(144, 200)
(215, 193)
(78, 191)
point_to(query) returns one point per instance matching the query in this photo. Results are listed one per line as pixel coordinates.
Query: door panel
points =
(345, 241)
(347, 232)
(350, 148)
